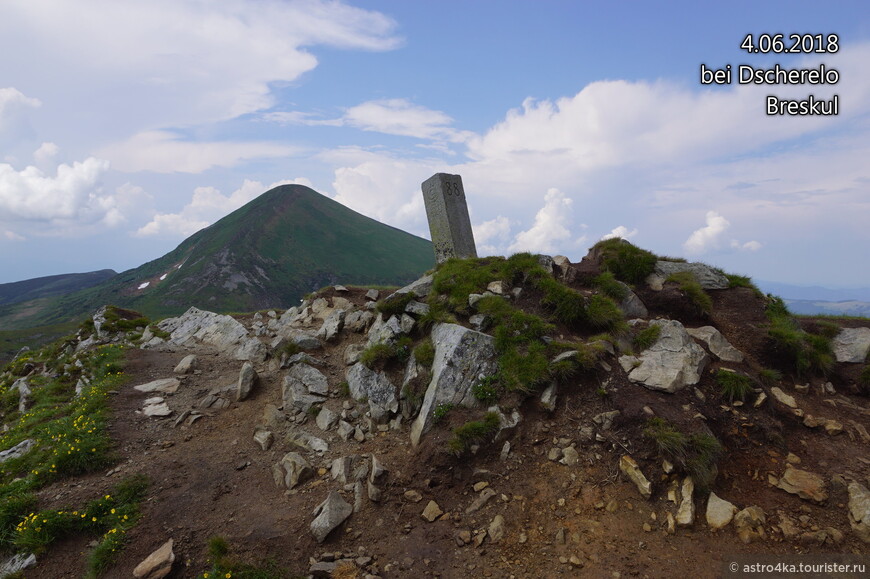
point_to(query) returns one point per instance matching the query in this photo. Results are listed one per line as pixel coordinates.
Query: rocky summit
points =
(622, 415)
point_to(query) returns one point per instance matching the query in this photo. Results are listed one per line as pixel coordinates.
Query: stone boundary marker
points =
(447, 212)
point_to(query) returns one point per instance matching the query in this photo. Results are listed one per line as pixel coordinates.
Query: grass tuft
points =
(646, 337)
(696, 454)
(473, 432)
(733, 386)
(627, 262)
(693, 290)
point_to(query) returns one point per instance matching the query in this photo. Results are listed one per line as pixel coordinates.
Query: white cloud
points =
(206, 206)
(748, 246)
(707, 237)
(173, 63)
(389, 116)
(551, 227)
(621, 232)
(12, 236)
(74, 193)
(497, 229)
(164, 152)
(45, 154)
(12, 100)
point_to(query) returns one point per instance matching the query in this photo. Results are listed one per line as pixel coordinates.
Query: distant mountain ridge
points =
(52, 285)
(287, 242)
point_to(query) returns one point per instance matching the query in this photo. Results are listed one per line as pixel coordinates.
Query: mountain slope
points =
(287, 242)
(52, 285)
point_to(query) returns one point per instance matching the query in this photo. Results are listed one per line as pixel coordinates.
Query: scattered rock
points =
(264, 438)
(496, 529)
(719, 512)
(158, 564)
(859, 510)
(18, 450)
(187, 365)
(373, 386)
(432, 511)
(165, 385)
(852, 345)
(326, 419)
(291, 470)
(303, 387)
(480, 501)
(156, 407)
(783, 398)
(716, 343)
(247, 380)
(708, 277)
(17, 563)
(328, 515)
(673, 362)
(570, 457)
(686, 511)
(605, 419)
(332, 326)
(632, 471)
(806, 485)
(307, 441)
(750, 524)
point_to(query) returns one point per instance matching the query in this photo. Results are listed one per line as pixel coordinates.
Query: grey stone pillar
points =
(447, 211)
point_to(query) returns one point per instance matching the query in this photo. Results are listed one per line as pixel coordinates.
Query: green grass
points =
(486, 389)
(733, 386)
(224, 565)
(441, 411)
(696, 454)
(424, 353)
(693, 290)
(627, 262)
(646, 337)
(808, 353)
(473, 432)
(769, 376)
(377, 355)
(735, 280)
(394, 306)
(607, 283)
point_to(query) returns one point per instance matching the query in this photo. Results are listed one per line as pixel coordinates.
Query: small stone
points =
(496, 529)
(805, 484)
(719, 512)
(432, 511)
(264, 438)
(479, 486)
(158, 564)
(413, 496)
(631, 470)
(569, 456)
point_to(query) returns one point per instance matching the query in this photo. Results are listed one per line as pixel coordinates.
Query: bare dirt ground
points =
(210, 478)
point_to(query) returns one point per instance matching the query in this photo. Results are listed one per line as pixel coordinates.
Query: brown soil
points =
(209, 478)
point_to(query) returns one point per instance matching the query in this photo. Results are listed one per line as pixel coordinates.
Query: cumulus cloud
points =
(206, 206)
(221, 56)
(13, 100)
(707, 237)
(165, 152)
(74, 193)
(45, 154)
(12, 236)
(497, 229)
(551, 227)
(621, 232)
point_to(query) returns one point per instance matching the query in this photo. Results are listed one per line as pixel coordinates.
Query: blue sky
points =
(126, 125)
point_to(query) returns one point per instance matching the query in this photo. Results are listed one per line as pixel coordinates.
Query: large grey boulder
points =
(18, 450)
(708, 277)
(365, 383)
(384, 331)
(187, 365)
(716, 343)
(303, 387)
(420, 288)
(332, 325)
(859, 510)
(631, 305)
(673, 362)
(852, 345)
(329, 514)
(252, 349)
(462, 358)
(358, 320)
(195, 325)
(17, 563)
